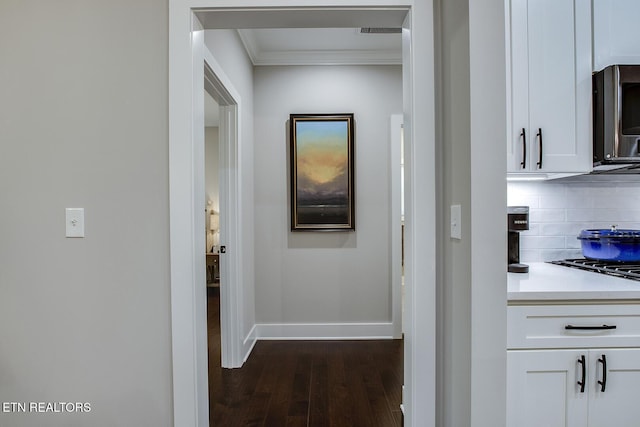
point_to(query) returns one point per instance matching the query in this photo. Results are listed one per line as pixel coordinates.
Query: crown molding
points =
(317, 57)
(250, 45)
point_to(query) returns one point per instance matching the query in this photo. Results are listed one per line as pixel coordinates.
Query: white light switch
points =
(75, 222)
(456, 219)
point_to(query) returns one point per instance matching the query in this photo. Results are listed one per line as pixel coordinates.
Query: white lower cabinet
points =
(619, 404)
(551, 382)
(541, 389)
(545, 388)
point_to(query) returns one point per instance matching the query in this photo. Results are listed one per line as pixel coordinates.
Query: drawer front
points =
(573, 326)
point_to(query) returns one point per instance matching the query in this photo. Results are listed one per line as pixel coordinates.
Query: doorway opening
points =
(222, 208)
(212, 224)
(187, 361)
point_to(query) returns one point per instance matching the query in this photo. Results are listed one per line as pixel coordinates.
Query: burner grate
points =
(617, 269)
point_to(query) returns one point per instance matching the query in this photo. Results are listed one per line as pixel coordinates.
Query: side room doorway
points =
(212, 229)
(221, 212)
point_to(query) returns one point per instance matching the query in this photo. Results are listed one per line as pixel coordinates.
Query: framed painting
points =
(322, 172)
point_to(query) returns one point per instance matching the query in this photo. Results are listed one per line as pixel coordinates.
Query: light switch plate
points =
(75, 222)
(456, 220)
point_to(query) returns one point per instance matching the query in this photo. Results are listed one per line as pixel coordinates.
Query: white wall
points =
(455, 168)
(472, 165)
(83, 123)
(487, 75)
(615, 33)
(307, 277)
(560, 209)
(228, 50)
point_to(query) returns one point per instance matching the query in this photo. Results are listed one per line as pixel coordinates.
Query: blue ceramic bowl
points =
(611, 245)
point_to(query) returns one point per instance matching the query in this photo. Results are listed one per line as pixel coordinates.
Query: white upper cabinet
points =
(549, 89)
(615, 33)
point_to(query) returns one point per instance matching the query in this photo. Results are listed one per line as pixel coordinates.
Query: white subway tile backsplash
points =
(608, 216)
(556, 254)
(530, 255)
(534, 230)
(572, 242)
(541, 242)
(546, 215)
(559, 229)
(619, 200)
(560, 210)
(525, 200)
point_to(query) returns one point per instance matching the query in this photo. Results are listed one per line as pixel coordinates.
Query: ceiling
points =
(321, 46)
(312, 35)
(315, 46)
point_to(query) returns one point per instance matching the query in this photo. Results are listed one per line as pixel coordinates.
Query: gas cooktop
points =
(618, 269)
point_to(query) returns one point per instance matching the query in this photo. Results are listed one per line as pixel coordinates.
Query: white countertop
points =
(548, 282)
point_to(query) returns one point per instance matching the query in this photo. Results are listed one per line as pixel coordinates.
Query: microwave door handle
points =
(523, 134)
(539, 137)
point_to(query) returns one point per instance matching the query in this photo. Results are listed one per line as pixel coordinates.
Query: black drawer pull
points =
(590, 328)
(603, 383)
(582, 383)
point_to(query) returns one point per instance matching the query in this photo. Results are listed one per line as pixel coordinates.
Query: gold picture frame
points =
(322, 172)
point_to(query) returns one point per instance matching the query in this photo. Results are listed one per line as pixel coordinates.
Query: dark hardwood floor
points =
(306, 383)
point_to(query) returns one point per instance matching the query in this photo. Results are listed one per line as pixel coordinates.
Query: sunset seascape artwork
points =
(322, 181)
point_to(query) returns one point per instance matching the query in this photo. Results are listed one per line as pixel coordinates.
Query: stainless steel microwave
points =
(616, 115)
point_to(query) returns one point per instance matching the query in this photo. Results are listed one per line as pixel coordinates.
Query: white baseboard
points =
(323, 331)
(248, 343)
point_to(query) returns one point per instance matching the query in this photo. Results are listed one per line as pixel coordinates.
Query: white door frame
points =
(231, 313)
(190, 397)
(395, 205)
(187, 231)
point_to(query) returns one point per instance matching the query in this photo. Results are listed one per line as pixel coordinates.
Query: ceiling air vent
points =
(380, 30)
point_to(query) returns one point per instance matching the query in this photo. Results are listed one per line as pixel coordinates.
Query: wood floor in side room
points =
(306, 383)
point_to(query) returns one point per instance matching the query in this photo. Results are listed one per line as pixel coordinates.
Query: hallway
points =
(306, 383)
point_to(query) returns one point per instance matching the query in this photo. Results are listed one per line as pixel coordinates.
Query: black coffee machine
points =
(517, 221)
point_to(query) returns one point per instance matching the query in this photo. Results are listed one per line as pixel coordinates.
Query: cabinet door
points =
(618, 404)
(519, 139)
(542, 389)
(550, 59)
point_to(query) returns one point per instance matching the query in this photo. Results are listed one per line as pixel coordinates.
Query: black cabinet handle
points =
(523, 134)
(582, 383)
(539, 136)
(591, 328)
(603, 383)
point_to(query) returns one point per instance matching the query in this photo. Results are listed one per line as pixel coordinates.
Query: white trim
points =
(395, 129)
(222, 77)
(329, 57)
(421, 203)
(324, 331)
(250, 44)
(317, 57)
(199, 245)
(418, 68)
(231, 308)
(181, 232)
(248, 343)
